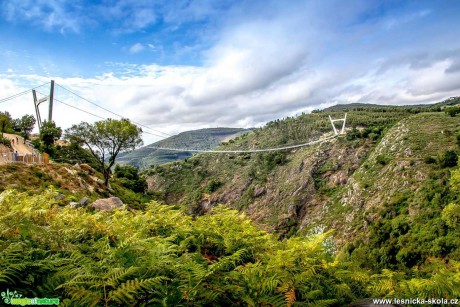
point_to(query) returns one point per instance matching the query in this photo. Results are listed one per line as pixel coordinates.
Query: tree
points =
(5, 121)
(49, 133)
(129, 178)
(106, 139)
(16, 124)
(26, 125)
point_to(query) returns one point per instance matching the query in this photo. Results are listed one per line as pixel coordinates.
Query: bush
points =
(212, 186)
(128, 176)
(451, 215)
(453, 111)
(429, 160)
(5, 141)
(382, 159)
(449, 159)
(353, 134)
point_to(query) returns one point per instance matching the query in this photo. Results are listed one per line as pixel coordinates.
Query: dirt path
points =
(19, 146)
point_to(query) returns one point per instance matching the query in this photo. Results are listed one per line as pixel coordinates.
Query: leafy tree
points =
(5, 121)
(129, 177)
(49, 133)
(106, 139)
(26, 125)
(16, 124)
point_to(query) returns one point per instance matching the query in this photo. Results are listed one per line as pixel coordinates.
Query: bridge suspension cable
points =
(95, 115)
(20, 93)
(336, 134)
(111, 112)
(249, 150)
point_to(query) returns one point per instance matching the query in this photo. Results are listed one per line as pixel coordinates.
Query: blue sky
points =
(180, 65)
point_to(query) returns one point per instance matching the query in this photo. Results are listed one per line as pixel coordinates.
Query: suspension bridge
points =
(51, 98)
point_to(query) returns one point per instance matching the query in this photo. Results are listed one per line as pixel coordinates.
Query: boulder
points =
(107, 204)
(74, 205)
(83, 201)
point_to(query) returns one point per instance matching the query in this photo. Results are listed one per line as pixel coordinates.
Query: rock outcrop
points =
(107, 204)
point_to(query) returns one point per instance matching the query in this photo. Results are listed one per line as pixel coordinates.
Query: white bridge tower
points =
(37, 102)
(342, 131)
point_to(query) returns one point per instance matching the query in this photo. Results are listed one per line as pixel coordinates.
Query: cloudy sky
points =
(185, 64)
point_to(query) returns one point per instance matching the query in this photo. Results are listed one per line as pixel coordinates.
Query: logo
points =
(14, 298)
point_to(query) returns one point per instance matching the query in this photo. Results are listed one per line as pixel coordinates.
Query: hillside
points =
(201, 139)
(371, 214)
(71, 182)
(349, 184)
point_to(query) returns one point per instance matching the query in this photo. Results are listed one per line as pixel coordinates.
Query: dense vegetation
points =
(23, 125)
(162, 256)
(375, 213)
(187, 181)
(386, 187)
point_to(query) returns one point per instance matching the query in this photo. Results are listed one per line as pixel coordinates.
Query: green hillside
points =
(202, 139)
(390, 157)
(374, 213)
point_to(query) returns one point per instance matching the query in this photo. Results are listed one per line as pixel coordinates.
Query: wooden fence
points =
(10, 157)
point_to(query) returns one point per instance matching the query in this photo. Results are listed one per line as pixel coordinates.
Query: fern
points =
(129, 290)
(162, 257)
(290, 297)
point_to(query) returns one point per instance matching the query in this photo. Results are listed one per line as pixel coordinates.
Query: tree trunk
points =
(106, 177)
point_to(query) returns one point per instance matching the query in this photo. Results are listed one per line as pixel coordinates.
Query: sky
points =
(181, 65)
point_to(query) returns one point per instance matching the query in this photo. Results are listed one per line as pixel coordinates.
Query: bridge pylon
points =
(48, 99)
(344, 119)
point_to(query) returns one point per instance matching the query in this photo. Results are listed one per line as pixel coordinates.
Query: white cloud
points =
(137, 47)
(50, 15)
(279, 62)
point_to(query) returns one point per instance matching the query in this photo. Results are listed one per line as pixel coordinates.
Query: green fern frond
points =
(269, 285)
(314, 294)
(324, 303)
(117, 275)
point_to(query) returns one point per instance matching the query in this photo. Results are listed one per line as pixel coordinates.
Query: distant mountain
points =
(360, 106)
(202, 139)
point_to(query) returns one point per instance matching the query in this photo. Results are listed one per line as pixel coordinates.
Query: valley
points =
(370, 212)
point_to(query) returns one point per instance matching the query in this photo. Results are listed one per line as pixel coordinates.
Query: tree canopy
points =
(50, 133)
(106, 139)
(5, 121)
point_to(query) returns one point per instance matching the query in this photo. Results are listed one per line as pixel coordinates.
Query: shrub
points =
(212, 186)
(453, 111)
(451, 215)
(449, 159)
(5, 141)
(382, 159)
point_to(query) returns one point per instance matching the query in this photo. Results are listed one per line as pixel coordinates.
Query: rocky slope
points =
(329, 185)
